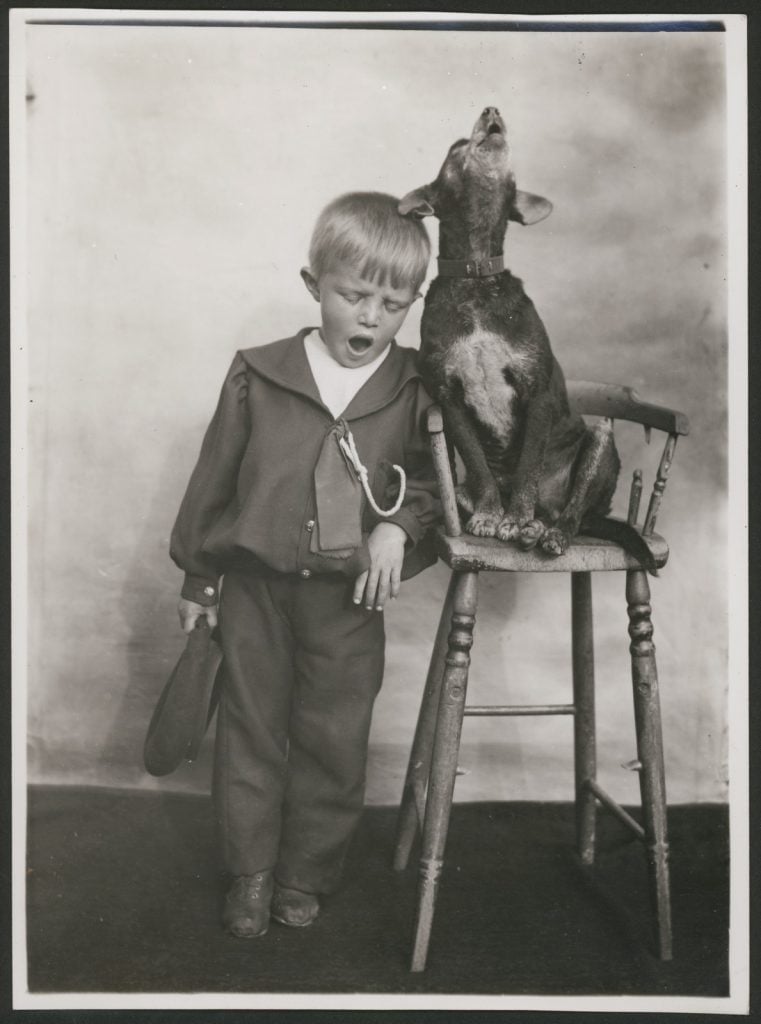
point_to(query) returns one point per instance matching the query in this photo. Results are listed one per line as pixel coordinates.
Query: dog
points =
(537, 474)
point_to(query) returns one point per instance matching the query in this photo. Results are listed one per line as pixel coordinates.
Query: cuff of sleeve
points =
(409, 522)
(202, 591)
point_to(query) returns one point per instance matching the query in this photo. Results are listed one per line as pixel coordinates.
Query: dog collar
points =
(471, 268)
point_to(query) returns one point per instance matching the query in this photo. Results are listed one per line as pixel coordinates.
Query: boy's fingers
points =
(396, 582)
(382, 594)
(190, 616)
(359, 586)
(372, 586)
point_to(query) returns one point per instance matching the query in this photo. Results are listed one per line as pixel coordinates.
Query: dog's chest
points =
(484, 365)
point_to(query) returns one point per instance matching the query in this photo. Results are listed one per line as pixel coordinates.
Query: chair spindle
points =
(635, 496)
(443, 470)
(660, 485)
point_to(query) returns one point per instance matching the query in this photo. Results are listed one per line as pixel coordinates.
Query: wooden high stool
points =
(427, 797)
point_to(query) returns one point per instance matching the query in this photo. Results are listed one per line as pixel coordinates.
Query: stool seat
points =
(585, 554)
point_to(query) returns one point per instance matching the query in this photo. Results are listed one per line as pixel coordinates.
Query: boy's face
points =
(359, 317)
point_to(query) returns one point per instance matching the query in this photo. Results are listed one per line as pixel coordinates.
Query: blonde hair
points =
(367, 230)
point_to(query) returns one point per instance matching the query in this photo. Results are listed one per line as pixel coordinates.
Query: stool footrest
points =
(616, 809)
(519, 709)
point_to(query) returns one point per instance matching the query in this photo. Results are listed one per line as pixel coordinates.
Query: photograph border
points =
(738, 550)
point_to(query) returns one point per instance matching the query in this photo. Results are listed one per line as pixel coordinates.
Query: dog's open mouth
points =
(493, 134)
(360, 343)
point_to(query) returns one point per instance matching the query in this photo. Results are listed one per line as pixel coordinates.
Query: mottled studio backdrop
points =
(172, 178)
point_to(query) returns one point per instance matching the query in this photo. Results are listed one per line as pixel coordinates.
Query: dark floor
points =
(123, 896)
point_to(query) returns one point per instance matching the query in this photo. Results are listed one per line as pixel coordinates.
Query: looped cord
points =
(349, 448)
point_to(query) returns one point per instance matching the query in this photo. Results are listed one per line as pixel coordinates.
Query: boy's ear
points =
(311, 282)
(417, 203)
(529, 209)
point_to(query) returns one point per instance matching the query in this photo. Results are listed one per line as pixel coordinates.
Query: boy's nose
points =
(369, 314)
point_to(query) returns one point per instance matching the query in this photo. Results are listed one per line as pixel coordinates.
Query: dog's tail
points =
(606, 528)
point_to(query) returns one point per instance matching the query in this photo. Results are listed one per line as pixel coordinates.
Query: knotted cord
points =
(349, 448)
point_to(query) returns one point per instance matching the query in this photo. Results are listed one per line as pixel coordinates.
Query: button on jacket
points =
(250, 502)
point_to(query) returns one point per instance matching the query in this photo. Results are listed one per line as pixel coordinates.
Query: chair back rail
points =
(622, 403)
(588, 398)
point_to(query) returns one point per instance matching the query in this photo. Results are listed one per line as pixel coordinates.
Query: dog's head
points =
(476, 185)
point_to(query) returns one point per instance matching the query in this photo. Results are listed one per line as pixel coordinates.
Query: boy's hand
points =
(190, 612)
(383, 578)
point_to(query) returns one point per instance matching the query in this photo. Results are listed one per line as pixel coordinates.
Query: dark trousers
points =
(303, 666)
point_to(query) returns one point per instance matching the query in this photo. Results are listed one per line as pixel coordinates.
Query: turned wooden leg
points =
(585, 760)
(412, 808)
(444, 759)
(647, 714)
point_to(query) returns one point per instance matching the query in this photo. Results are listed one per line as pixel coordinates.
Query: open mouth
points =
(492, 135)
(359, 344)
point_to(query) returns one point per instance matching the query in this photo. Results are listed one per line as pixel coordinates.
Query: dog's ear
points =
(417, 203)
(528, 208)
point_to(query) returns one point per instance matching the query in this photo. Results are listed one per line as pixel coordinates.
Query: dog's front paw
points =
(508, 529)
(554, 542)
(531, 533)
(483, 524)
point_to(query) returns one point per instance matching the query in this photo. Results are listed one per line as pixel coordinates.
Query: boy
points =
(311, 496)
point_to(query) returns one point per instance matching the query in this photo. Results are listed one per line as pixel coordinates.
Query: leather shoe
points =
(295, 908)
(246, 913)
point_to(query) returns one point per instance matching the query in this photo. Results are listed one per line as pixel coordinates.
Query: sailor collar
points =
(285, 363)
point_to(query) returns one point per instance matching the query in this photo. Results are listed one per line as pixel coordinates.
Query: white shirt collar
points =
(337, 384)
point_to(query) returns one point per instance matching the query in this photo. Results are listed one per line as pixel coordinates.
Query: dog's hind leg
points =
(594, 482)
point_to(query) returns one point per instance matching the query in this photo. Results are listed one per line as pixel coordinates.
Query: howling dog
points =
(537, 474)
